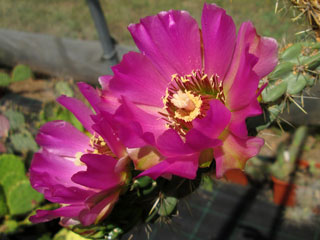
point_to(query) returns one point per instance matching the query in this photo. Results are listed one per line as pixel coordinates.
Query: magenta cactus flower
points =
(85, 175)
(187, 94)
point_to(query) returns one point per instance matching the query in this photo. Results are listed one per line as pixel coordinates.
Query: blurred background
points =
(46, 46)
(71, 18)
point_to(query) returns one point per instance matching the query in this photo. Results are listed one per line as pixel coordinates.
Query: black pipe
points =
(109, 51)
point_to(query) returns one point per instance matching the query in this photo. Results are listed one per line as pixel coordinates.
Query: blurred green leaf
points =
(10, 179)
(63, 88)
(296, 83)
(21, 72)
(10, 163)
(45, 236)
(22, 198)
(4, 79)
(10, 226)
(292, 53)
(23, 142)
(15, 118)
(65, 234)
(3, 205)
(53, 111)
(274, 91)
(167, 206)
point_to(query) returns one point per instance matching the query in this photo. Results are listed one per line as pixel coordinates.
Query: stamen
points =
(182, 100)
(100, 146)
(187, 98)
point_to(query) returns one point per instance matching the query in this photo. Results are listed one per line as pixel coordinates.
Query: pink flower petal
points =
(100, 173)
(245, 84)
(4, 126)
(171, 144)
(100, 209)
(235, 152)
(104, 81)
(79, 109)
(3, 148)
(198, 141)
(61, 138)
(219, 37)
(45, 215)
(134, 124)
(91, 94)
(59, 169)
(185, 166)
(171, 40)
(137, 79)
(238, 124)
(50, 175)
(215, 121)
(264, 49)
(104, 128)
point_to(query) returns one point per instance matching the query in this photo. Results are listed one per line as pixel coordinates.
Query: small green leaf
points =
(312, 61)
(296, 83)
(310, 80)
(65, 234)
(21, 73)
(15, 118)
(167, 206)
(292, 53)
(4, 79)
(63, 88)
(3, 205)
(10, 179)
(23, 142)
(10, 163)
(274, 91)
(9, 226)
(143, 182)
(282, 70)
(22, 198)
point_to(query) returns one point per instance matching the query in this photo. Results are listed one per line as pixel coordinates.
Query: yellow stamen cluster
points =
(188, 105)
(100, 146)
(187, 98)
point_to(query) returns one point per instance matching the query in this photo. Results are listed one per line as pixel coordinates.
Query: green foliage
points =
(10, 163)
(45, 236)
(15, 118)
(21, 73)
(3, 205)
(94, 231)
(296, 71)
(65, 234)
(20, 197)
(52, 111)
(287, 157)
(63, 88)
(167, 206)
(23, 142)
(10, 226)
(21, 139)
(207, 183)
(4, 79)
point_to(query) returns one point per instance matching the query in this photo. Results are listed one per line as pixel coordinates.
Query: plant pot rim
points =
(279, 181)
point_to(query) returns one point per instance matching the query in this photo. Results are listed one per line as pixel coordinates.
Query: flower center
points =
(187, 105)
(187, 98)
(100, 146)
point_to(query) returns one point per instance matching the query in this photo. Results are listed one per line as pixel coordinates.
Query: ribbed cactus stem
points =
(297, 143)
(285, 164)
